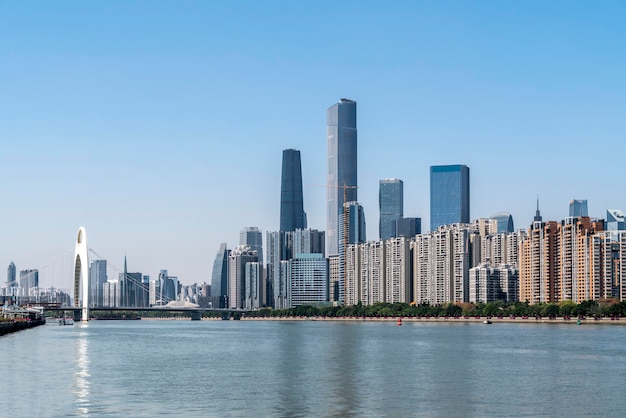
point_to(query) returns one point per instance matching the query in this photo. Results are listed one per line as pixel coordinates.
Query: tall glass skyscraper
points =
(253, 238)
(449, 195)
(391, 204)
(11, 275)
(578, 207)
(219, 278)
(292, 214)
(342, 166)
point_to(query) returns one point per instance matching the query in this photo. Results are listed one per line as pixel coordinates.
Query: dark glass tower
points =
(390, 203)
(578, 207)
(449, 195)
(342, 166)
(292, 214)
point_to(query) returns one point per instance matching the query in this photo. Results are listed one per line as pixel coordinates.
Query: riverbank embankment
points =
(460, 319)
(7, 327)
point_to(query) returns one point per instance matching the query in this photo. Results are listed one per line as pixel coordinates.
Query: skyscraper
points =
(390, 204)
(342, 166)
(219, 279)
(97, 279)
(578, 207)
(11, 275)
(614, 220)
(253, 238)
(237, 260)
(29, 279)
(449, 195)
(292, 214)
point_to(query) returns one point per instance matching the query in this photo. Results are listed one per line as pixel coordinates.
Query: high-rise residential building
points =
(219, 278)
(398, 270)
(491, 283)
(237, 260)
(308, 241)
(391, 206)
(29, 279)
(333, 278)
(505, 222)
(97, 279)
(578, 207)
(408, 227)
(11, 275)
(351, 231)
(342, 166)
(292, 215)
(372, 272)
(309, 279)
(615, 220)
(449, 195)
(441, 263)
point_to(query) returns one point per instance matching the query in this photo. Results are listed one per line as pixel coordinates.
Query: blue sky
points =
(159, 126)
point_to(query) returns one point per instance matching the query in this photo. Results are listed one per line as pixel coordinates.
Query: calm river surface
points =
(312, 368)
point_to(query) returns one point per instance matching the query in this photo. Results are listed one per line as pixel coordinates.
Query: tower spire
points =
(125, 269)
(537, 213)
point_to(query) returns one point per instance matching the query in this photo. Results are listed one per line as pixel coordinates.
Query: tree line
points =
(603, 308)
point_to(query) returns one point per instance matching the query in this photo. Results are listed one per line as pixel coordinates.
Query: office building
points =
(252, 237)
(504, 221)
(408, 227)
(578, 208)
(342, 167)
(309, 279)
(219, 278)
(449, 195)
(97, 279)
(615, 220)
(390, 205)
(279, 248)
(292, 215)
(11, 275)
(237, 260)
(308, 241)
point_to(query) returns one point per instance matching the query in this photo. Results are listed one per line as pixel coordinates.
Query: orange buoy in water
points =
(399, 321)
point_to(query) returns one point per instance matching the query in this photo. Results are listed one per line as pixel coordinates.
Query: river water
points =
(312, 368)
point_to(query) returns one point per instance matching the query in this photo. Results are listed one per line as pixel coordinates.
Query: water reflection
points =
(81, 375)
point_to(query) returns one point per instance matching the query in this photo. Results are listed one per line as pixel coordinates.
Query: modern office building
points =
(615, 220)
(390, 205)
(449, 195)
(11, 275)
(408, 227)
(219, 278)
(309, 279)
(578, 207)
(308, 241)
(342, 166)
(237, 260)
(292, 215)
(252, 237)
(97, 279)
(505, 222)
(279, 248)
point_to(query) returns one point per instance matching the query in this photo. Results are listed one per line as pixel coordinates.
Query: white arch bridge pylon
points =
(81, 274)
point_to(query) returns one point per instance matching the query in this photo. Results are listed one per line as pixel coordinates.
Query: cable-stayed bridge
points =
(64, 284)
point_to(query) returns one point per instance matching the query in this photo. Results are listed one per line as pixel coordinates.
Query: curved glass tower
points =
(292, 214)
(342, 166)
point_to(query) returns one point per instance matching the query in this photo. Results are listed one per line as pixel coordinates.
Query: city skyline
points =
(152, 131)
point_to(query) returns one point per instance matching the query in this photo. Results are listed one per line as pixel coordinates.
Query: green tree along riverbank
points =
(604, 308)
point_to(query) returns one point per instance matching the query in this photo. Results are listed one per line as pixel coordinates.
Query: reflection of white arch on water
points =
(81, 273)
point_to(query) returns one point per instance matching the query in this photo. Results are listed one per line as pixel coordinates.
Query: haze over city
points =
(160, 127)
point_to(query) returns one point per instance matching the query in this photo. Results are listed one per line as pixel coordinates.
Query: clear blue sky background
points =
(159, 126)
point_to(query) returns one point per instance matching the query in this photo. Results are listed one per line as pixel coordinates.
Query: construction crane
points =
(345, 188)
